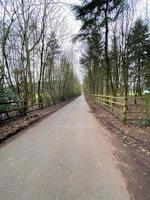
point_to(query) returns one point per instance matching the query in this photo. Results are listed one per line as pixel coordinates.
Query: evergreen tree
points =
(95, 15)
(92, 61)
(138, 53)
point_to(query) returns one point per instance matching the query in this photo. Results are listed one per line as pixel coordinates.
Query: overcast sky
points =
(74, 26)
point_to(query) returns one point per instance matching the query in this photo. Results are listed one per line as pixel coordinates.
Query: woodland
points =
(35, 69)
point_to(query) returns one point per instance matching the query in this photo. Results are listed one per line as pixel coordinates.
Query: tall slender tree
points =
(97, 14)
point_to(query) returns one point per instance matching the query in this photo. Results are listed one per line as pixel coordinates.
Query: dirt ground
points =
(133, 151)
(15, 126)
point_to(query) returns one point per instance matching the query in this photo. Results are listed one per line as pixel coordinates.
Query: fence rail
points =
(127, 110)
(115, 105)
(13, 109)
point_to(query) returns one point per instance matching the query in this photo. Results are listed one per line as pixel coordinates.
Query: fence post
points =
(111, 103)
(125, 110)
(147, 106)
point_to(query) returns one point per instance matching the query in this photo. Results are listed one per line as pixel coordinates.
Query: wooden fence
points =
(13, 109)
(132, 109)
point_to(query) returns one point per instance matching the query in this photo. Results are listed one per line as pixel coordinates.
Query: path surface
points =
(67, 156)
